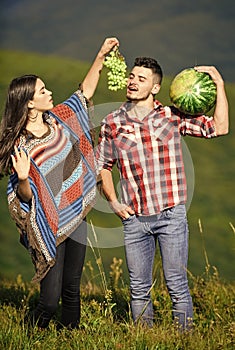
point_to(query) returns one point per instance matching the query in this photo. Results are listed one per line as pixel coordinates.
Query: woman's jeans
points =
(170, 228)
(63, 281)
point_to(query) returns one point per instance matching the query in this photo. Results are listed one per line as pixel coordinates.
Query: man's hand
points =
(212, 71)
(221, 112)
(122, 210)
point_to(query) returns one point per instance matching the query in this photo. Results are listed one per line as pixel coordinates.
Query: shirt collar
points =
(125, 106)
(123, 109)
(157, 104)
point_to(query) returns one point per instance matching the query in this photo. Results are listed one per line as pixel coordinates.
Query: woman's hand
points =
(21, 163)
(108, 45)
(91, 80)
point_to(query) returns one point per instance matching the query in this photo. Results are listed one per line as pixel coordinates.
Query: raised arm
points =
(90, 82)
(221, 115)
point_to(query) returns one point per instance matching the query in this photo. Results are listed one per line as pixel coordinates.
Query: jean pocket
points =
(168, 213)
(129, 219)
(178, 210)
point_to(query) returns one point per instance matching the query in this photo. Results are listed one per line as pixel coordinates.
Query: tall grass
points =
(106, 321)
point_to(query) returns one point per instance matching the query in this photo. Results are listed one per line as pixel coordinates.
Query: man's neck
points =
(139, 110)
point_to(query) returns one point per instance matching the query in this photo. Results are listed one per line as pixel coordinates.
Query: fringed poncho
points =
(63, 182)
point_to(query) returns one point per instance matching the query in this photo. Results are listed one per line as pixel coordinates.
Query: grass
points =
(106, 321)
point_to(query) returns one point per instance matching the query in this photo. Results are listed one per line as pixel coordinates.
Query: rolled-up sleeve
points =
(198, 126)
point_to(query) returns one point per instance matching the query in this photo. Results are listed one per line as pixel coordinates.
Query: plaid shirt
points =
(149, 156)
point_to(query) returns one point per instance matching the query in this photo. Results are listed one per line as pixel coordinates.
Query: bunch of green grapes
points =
(116, 64)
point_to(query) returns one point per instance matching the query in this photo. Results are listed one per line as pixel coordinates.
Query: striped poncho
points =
(62, 179)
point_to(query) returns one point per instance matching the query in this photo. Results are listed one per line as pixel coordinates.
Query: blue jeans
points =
(63, 281)
(170, 229)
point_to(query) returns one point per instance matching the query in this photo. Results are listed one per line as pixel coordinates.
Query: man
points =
(143, 138)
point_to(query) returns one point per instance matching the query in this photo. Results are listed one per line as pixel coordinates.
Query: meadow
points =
(105, 321)
(105, 317)
(210, 177)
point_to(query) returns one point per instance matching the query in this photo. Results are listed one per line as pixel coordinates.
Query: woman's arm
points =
(90, 82)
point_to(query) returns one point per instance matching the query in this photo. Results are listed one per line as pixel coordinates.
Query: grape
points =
(116, 64)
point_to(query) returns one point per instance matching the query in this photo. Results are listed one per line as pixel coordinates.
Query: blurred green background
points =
(213, 165)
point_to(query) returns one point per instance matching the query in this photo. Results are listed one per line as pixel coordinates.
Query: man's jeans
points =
(170, 228)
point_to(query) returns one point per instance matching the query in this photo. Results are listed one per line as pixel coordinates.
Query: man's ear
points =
(30, 104)
(156, 88)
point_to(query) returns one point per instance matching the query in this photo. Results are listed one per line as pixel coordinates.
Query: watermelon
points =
(193, 92)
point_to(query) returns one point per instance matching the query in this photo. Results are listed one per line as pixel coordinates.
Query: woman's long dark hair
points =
(20, 92)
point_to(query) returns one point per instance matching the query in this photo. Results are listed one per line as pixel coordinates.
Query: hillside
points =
(213, 165)
(178, 33)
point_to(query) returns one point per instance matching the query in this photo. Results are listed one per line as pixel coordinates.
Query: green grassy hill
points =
(213, 162)
(177, 33)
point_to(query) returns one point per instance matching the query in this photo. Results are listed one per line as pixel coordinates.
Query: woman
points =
(48, 153)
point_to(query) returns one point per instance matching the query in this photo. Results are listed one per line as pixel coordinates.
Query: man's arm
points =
(122, 210)
(91, 80)
(221, 115)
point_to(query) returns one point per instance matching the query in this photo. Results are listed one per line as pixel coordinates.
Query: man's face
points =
(140, 84)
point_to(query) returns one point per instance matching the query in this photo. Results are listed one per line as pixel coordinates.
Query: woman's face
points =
(42, 99)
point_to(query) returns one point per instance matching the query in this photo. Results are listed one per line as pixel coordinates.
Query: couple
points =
(48, 153)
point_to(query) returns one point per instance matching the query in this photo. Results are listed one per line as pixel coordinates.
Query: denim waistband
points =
(146, 218)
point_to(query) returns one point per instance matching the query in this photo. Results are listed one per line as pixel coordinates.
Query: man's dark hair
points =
(150, 63)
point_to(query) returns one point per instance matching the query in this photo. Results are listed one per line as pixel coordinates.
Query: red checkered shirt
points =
(148, 154)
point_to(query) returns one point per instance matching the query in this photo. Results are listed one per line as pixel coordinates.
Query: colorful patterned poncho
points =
(63, 182)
